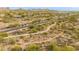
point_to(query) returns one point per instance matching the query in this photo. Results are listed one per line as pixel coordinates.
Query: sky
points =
(51, 8)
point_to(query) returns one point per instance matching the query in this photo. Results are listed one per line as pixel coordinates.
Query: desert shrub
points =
(45, 33)
(68, 48)
(50, 47)
(1, 48)
(53, 47)
(3, 34)
(33, 30)
(2, 40)
(32, 47)
(72, 19)
(31, 26)
(39, 27)
(14, 25)
(11, 41)
(16, 48)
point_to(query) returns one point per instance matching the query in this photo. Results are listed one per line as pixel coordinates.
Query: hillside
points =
(38, 30)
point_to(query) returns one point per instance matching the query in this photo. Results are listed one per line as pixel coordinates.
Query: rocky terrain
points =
(39, 30)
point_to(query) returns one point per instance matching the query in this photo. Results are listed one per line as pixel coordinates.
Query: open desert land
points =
(38, 30)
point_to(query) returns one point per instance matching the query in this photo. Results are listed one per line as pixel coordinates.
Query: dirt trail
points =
(43, 41)
(23, 45)
(40, 32)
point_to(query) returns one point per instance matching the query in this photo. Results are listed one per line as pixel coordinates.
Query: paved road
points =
(40, 32)
(22, 26)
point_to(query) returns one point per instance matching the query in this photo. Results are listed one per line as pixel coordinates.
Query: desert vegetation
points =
(38, 30)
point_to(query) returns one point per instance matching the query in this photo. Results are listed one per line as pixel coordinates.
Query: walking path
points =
(40, 32)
